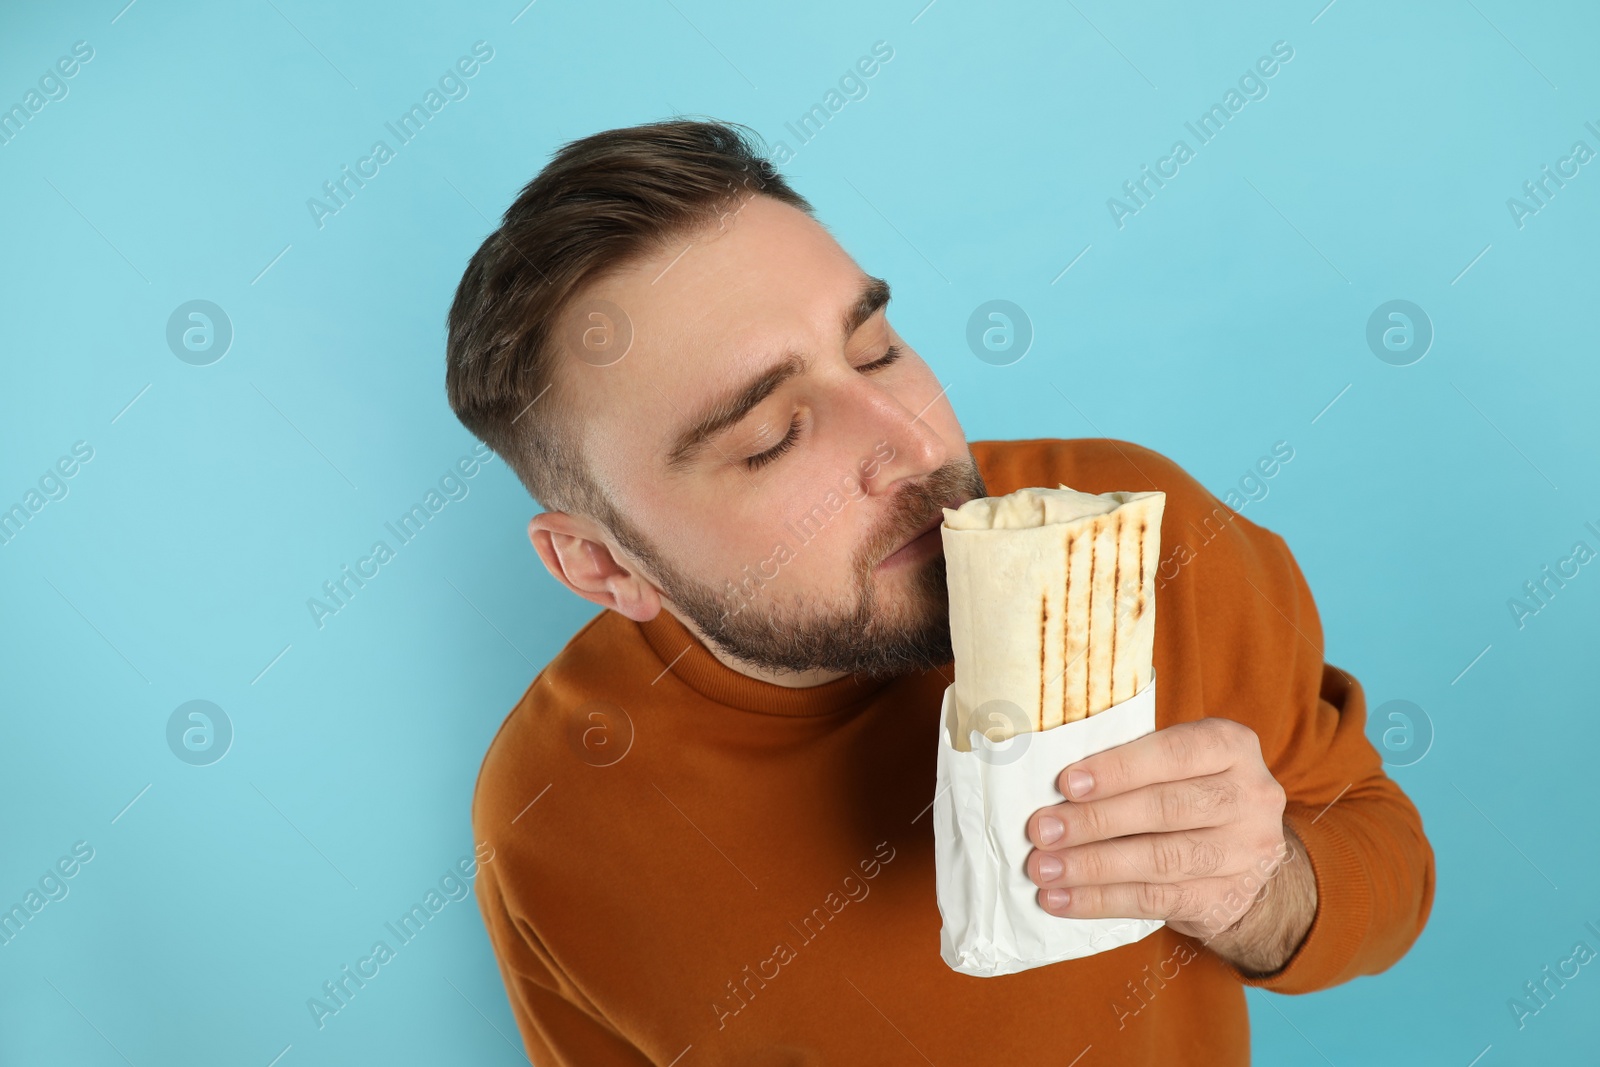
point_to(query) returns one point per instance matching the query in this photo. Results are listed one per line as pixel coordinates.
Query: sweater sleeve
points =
(1373, 865)
(559, 1027)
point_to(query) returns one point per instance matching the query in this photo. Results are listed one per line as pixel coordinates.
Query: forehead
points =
(711, 310)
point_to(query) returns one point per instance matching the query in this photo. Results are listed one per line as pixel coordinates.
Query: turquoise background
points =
(1233, 307)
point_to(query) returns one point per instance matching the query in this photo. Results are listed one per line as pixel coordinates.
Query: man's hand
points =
(1186, 825)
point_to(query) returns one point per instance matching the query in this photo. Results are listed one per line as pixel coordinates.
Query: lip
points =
(922, 543)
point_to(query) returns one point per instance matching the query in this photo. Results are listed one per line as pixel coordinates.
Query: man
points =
(709, 812)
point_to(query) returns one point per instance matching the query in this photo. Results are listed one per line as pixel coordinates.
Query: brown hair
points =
(599, 203)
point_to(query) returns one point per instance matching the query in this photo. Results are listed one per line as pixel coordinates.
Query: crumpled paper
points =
(993, 922)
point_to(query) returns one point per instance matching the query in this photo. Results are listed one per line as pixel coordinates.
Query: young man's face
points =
(771, 530)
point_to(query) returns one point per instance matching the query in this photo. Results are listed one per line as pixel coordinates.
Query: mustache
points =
(918, 505)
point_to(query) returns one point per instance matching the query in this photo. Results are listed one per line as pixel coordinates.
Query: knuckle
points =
(1206, 858)
(1271, 794)
(1086, 866)
(1182, 902)
(1232, 735)
(1094, 821)
(1150, 898)
(1168, 855)
(1219, 734)
(1172, 806)
(1217, 797)
(1183, 744)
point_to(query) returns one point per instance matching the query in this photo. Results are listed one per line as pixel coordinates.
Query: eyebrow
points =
(728, 409)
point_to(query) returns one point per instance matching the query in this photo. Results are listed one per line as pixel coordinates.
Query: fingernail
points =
(1050, 830)
(1049, 868)
(1079, 782)
(1056, 898)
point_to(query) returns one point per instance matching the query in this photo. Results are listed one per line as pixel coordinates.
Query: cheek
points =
(819, 522)
(804, 537)
(742, 541)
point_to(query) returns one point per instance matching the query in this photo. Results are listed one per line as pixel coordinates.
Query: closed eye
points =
(759, 461)
(892, 353)
(756, 462)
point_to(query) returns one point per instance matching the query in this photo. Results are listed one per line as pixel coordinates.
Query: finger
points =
(1181, 902)
(1183, 750)
(1189, 804)
(1158, 858)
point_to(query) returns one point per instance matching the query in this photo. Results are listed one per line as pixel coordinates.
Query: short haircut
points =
(600, 203)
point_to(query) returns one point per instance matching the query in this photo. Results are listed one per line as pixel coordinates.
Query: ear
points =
(574, 550)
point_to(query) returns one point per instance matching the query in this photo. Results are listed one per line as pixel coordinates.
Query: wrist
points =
(1275, 924)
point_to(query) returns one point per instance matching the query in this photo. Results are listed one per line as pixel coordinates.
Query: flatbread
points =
(1052, 605)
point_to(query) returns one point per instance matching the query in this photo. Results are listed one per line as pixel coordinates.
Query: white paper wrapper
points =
(993, 922)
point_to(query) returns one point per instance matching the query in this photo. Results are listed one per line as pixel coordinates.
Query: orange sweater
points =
(694, 867)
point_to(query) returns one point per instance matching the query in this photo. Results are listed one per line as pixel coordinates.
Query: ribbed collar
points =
(683, 654)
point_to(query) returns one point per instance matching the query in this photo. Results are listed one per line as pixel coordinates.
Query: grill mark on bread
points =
(1044, 616)
(1140, 610)
(1116, 601)
(1142, 528)
(1066, 617)
(1088, 637)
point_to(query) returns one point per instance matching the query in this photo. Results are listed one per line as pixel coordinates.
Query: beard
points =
(869, 633)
